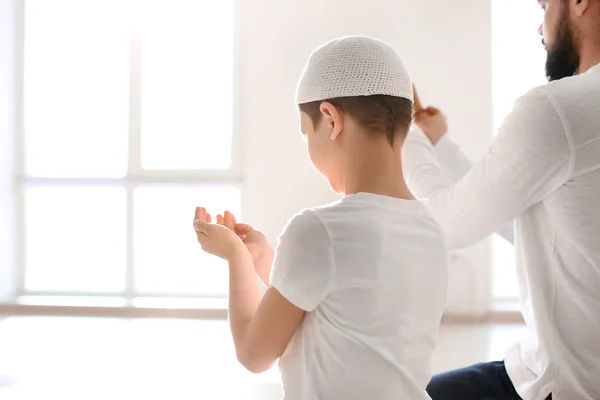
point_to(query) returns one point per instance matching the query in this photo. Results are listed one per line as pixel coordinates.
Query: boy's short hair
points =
(364, 78)
(379, 114)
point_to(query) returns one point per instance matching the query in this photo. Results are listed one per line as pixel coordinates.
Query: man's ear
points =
(333, 118)
(581, 6)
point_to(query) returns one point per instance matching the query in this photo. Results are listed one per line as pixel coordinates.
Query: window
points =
(127, 110)
(518, 59)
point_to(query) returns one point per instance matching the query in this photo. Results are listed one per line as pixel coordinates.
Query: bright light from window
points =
(518, 59)
(187, 85)
(82, 67)
(75, 239)
(76, 100)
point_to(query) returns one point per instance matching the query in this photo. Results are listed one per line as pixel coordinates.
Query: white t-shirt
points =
(371, 273)
(544, 170)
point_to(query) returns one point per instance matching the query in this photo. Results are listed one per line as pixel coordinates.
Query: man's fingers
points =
(417, 101)
(432, 110)
(220, 219)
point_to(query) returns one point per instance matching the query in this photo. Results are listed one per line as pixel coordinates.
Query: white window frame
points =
(136, 175)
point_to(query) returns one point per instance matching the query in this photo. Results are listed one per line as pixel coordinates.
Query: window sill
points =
(140, 307)
(188, 308)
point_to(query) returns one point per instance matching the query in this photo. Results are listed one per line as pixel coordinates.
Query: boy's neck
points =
(376, 168)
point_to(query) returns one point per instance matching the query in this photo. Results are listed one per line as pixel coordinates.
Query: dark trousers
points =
(487, 381)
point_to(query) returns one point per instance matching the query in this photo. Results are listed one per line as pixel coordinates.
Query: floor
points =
(105, 358)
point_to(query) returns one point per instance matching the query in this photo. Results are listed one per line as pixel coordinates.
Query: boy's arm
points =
(261, 329)
(301, 279)
(262, 265)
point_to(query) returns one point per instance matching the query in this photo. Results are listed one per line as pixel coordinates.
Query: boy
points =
(357, 289)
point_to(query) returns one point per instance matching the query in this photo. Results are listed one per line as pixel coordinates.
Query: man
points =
(543, 171)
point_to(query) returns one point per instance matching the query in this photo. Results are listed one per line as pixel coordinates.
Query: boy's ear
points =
(333, 119)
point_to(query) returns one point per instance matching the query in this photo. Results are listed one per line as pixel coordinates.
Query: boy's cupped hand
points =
(216, 238)
(256, 242)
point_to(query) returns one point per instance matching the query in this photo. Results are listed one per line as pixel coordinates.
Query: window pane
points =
(75, 239)
(168, 258)
(518, 59)
(76, 100)
(187, 84)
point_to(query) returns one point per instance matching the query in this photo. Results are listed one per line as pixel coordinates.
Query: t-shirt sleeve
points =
(303, 267)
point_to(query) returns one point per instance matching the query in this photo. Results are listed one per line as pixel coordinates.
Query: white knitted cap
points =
(353, 66)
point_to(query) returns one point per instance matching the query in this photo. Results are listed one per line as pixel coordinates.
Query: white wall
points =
(6, 146)
(446, 46)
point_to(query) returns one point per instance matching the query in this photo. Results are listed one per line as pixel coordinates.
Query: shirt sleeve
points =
(530, 158)
(455, 162)
(423, 171)
(452, 157)
(303, 266)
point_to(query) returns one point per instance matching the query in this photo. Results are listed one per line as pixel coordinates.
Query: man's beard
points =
(563, 58)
